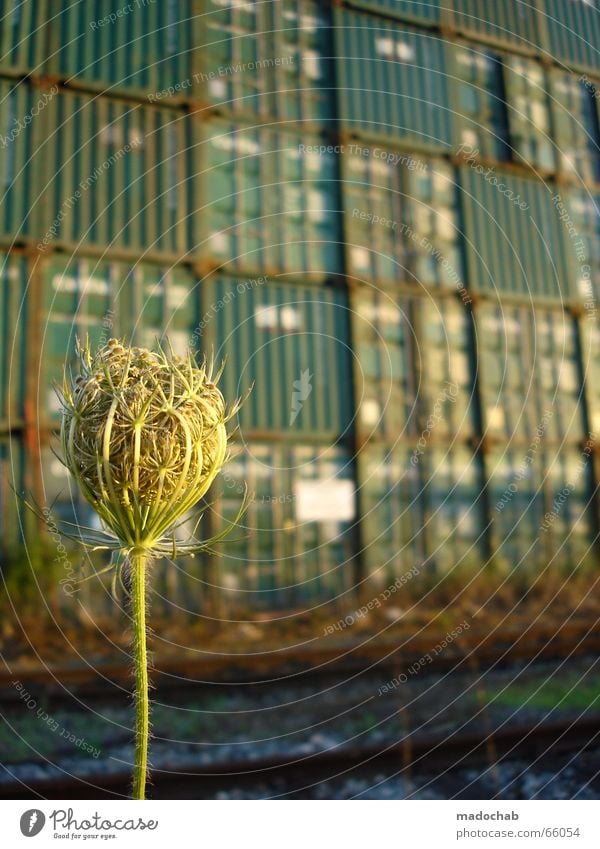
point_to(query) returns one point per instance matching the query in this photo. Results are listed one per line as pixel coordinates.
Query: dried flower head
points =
(144, 435)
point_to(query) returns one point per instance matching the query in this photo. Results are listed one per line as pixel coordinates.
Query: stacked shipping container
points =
(383, 213)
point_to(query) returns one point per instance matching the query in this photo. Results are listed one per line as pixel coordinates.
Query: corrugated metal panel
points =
(419, 11)
(115, 175)
(14, 315)
(18, 181)
(528, 112)
(142, 47)
(573, 32)
(391, 513)
(402, 221)
(386, 377)
(23, 36)
(157, 302)
(517, 508)
(575, 127)
(79, 303)
(445, 352)
(392, 81)
(292, 343)
(295, 546)
(529, 377)
(512, 23)
(568, 520)
(413, 367)
(590, 355)
(269, 59)
(12, 474)
(580, 210)
(269, 202)
(511, 250)
(480, 110)
(452, 479)
(96, 299)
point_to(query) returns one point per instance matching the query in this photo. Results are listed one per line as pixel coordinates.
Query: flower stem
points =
(138, 561)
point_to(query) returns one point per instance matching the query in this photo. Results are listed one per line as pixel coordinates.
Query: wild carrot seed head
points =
(144, 434)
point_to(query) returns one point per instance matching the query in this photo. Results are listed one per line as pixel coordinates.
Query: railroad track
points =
(298, 772)
(521, 644)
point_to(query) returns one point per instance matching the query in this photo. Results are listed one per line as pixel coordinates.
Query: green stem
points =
(138, 561)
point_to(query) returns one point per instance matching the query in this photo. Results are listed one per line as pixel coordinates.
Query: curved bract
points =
(144, 435)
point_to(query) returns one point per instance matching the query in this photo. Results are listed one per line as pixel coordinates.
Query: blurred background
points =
(383, 216)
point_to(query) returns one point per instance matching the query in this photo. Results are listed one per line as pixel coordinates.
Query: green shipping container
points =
(391, 513)
(12, 481)
(385, 370)
(141, 48)
(401, 218)
(515, 243)
(575, 127)
(419, 11)
(157, 303)
(23, 36)
(267, 202)
(579, 210)
(97, 299)
(510, 23)
(572, 33)
(480, 115)
(569, 521)
(452, 484)
(413, 366)
(21, 113)
(528, 113)
(114, 176)
(270, 60)
(14, 321)
(517, 507)
(291, 343)
(590, 356)
(529, 374)
(295, 547)
(392, 82)
(541, 509)
(445, 353)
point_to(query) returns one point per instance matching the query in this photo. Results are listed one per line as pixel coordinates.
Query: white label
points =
(370, 413)
(495, 417)
(176, 297)
(290, 318)
(381, 168)
(360, 257)
(219, 242)
(316, 206)
(385, 46)
(111, 134)
(404, 51)
(469, 138)
(64, 284)
(312, 65)
(309, 23)
(94, 286)
(237, 143)
(266, 317)
(136, 138)
(218, 88)
(322, 501)
(445, 227)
